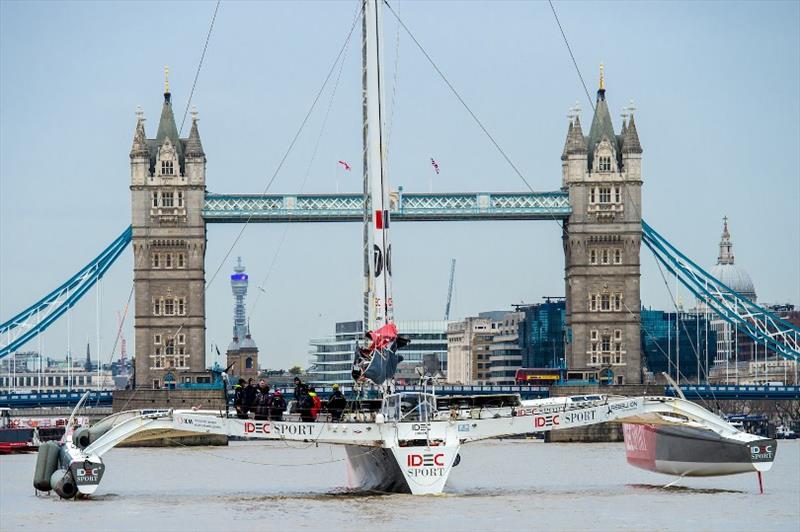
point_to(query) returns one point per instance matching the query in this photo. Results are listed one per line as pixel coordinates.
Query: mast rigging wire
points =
(458, 96)
(262, 286)
(569, 49)
(199, 66)
(289, 149)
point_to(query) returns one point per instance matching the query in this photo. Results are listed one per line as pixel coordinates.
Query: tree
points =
(295, 370)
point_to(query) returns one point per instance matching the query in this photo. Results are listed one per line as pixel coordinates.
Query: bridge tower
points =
(603, 175)
(168, 176)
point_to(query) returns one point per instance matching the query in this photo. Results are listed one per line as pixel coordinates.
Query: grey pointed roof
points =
(576, 142)
(566, 142)
(139, 147)
(167, 127)
(601, 125)
(194, 148)
(631, 142)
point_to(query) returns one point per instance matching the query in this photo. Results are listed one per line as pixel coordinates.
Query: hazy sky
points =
(716, 84)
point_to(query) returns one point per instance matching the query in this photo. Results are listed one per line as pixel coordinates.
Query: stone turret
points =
(169, 237)
(602, 173)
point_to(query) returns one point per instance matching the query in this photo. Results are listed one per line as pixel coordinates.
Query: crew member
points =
(238, 399)
(277, 406)
(305, 403)
(249, 395)
(316, 403)
(262, 401)
(336, 403)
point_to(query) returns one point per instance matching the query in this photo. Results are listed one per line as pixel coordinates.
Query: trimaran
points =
(409, 442)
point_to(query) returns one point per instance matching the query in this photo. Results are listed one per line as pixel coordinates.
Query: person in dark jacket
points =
(262, 401)
(277, 406)
(336, 403)
(305, 403)
(298, 388)
(238, 399)
(249, 395)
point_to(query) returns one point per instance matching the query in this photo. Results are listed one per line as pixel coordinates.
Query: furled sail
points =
(377, 362)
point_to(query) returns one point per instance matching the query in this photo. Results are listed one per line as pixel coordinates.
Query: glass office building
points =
(541, 334)
(684, 349)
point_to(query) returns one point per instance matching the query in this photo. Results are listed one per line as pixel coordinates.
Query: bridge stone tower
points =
(168, 177)
(603, 175)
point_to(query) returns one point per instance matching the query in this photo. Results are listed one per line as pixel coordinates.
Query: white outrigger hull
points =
(417, 456)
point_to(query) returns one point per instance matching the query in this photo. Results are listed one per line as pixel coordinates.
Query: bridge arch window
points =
(617, 302)
(617, 197)
(167, 199)
(169, 307)
(605, 255)
(180, 199)
(155, 199)
(156, 260)
(170, 349)
(604, 194)
(605, 302)
(617, 256)
(181, 338)
(592, 256)
(168, 260)
(593, 302)
(181, 304)
(156, 307)
(157, 339)
(181, 260)
(248, 363)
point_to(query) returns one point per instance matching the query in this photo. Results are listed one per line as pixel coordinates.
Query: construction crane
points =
(450, 290)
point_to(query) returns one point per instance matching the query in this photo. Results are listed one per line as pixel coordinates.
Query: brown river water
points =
(499, 485)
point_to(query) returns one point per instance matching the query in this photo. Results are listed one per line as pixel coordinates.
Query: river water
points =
(499, 485)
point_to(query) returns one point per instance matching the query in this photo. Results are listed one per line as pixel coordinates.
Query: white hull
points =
(414, 470)
(390, 452)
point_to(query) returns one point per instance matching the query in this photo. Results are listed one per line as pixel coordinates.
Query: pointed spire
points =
(576, 143)
(725, 245)
(630, 143)
(166, 125)
(194, 148)
(566, 142)
(139, 148)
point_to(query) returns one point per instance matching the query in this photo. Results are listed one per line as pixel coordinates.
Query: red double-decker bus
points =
(539, 376)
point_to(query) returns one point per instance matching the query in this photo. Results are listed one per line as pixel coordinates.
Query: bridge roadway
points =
(416, 207)
(692, 392)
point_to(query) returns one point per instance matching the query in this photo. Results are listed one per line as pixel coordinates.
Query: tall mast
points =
(378, 250)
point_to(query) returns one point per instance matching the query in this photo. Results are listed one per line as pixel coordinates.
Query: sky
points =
(716, 86)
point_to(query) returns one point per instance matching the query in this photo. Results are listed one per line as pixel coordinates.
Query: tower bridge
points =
(598, 205)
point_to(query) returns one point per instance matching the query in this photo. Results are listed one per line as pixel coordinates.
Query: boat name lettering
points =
(579, 417)
(421, 427)
(463, 427)
(761, 452)
(251, 427)
(425, 460)
(293, 428)
(550, 420)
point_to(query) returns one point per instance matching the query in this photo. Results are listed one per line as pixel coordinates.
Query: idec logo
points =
(550, 420)
(251, 427)
(762, 452)
(426, 460)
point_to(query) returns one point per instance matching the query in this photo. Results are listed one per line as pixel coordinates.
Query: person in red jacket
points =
(317, 406)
